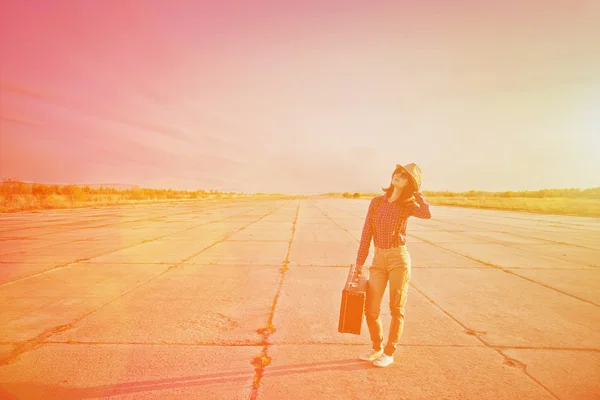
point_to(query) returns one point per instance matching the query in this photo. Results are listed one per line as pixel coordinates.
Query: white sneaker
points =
(383, 361)
(371, 355)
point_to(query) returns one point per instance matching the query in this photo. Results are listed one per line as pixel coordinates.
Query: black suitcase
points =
(353, 303)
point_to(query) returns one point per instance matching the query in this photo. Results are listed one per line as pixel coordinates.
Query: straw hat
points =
(414, 171)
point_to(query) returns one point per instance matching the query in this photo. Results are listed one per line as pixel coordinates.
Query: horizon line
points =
(6, 180)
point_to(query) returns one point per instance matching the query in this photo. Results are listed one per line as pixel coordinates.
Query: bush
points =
(136, 194)
(13, 187)
(72, 192)
(42, 191)
(200, 194)
(54, 201)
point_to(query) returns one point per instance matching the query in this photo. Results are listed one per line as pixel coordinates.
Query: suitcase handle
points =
(353, 277)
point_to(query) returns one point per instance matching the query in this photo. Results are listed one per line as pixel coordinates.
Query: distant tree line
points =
(591, 193)
(12, 187)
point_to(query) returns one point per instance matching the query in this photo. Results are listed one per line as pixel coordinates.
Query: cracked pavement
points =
(239, 299)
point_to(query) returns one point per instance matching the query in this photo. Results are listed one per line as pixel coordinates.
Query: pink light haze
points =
(300, 97)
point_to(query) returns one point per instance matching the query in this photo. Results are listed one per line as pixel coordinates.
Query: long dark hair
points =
(407, 193)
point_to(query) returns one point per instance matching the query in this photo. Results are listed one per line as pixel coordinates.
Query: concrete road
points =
(239, 299)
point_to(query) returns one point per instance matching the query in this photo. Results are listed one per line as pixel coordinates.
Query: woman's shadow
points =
(25, 390)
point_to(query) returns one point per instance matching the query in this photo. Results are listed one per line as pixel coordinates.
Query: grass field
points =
(559, 206)
(29, 202)
(553, 205)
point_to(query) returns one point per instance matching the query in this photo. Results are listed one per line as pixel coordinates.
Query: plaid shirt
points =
(390, 223)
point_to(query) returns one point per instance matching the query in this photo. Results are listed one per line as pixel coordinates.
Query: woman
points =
(386, 224)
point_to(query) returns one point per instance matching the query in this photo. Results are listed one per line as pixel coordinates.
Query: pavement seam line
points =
(336, 223)
(104, 226)
(94, 226)
(507, 360)
(89, 239)
(52, 245)
(508, 271)
(549, 287)
(78, 229)
(513, 245)
(529, 218)
(33, 343)
(576, 227)
(515, 234)
(62, 265)
(37, 341)
(261, 361)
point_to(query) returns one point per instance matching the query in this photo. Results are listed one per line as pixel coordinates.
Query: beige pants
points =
(393, 266)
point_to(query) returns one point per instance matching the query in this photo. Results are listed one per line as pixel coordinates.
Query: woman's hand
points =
(359, 270)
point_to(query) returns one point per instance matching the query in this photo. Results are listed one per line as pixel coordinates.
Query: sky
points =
(301, 96)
